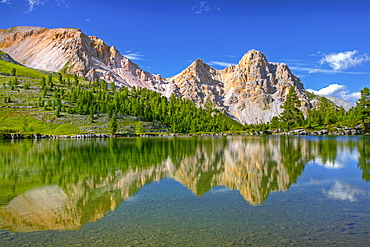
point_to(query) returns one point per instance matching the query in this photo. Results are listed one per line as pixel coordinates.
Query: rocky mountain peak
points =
(253, 57)
(251, 91)
(70, 50)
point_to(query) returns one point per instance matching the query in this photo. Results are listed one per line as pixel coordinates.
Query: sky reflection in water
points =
(217, 190)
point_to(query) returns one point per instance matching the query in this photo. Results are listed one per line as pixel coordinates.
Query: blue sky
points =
(325, 43)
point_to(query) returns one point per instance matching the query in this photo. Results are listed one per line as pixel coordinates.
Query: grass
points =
(7, 67)
(23, 115)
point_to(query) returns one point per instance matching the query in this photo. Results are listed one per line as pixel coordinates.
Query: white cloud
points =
(313, 70)
(344, 191)
(133, 55)
(222, 64)
(203, 7)
(344, 60)
(5, 1)
(339, 91)
(33, 3)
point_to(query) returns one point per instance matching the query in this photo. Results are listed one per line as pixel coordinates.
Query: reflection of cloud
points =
(220, 189)
(134, 198)
(344, 191)
(344, 60)
(344, 157)
(339, 91)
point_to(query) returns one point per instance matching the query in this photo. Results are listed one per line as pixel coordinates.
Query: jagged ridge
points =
(251, 91)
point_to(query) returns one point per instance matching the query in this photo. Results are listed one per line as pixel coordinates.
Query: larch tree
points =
(363, 105)
(291, 114)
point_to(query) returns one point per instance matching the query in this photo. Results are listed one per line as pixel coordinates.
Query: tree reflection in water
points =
(62, 184)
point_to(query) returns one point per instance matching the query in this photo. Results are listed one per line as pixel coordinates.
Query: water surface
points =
(187, 191)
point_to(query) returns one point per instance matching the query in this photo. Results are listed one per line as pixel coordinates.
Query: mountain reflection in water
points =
(63, 184)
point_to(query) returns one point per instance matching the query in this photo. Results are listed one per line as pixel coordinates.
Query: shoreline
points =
(297, 132)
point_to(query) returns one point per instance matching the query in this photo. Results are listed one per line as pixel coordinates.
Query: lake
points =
(186, 191)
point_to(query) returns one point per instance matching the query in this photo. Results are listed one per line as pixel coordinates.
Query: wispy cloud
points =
(5, 1)
(315, 67)
(133, 55)
(222, 64)
(203, 7)
(33, 3)
(313, 70)
(339, 91)
(344, 60)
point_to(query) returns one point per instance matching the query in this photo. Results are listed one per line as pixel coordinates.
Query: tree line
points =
(326, 113)
(178, 114)
(70, 95)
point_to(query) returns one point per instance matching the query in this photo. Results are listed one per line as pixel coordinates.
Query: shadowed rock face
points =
(68, 49)
(251, 91)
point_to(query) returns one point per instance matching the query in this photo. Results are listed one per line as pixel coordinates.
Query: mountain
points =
(339, 102)
(71, 51)
(250, 92)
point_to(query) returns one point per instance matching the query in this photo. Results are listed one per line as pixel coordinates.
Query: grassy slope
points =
(22, 115)
(6, 68)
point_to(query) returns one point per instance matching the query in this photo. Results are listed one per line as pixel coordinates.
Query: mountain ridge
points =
(251, 91)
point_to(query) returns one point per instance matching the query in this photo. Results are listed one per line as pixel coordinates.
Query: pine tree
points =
(113, 125)
(291, 114)
(139, 128)
(363, 105)
(60, 78)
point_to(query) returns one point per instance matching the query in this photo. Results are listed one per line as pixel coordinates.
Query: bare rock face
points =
(251, 92)
(69, 50)
(198, 83)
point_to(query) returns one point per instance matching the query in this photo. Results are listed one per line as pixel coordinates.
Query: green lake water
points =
(186, 191)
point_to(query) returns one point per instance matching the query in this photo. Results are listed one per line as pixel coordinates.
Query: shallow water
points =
(188, 191)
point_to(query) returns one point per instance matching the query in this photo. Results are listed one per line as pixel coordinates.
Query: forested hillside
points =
(33, 101)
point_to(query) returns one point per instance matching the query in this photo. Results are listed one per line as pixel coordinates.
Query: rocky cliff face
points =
(251, 92)
(68, 49)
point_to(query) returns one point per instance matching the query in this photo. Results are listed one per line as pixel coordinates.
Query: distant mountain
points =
(339, 102)
(69, 50)
(251, 91)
